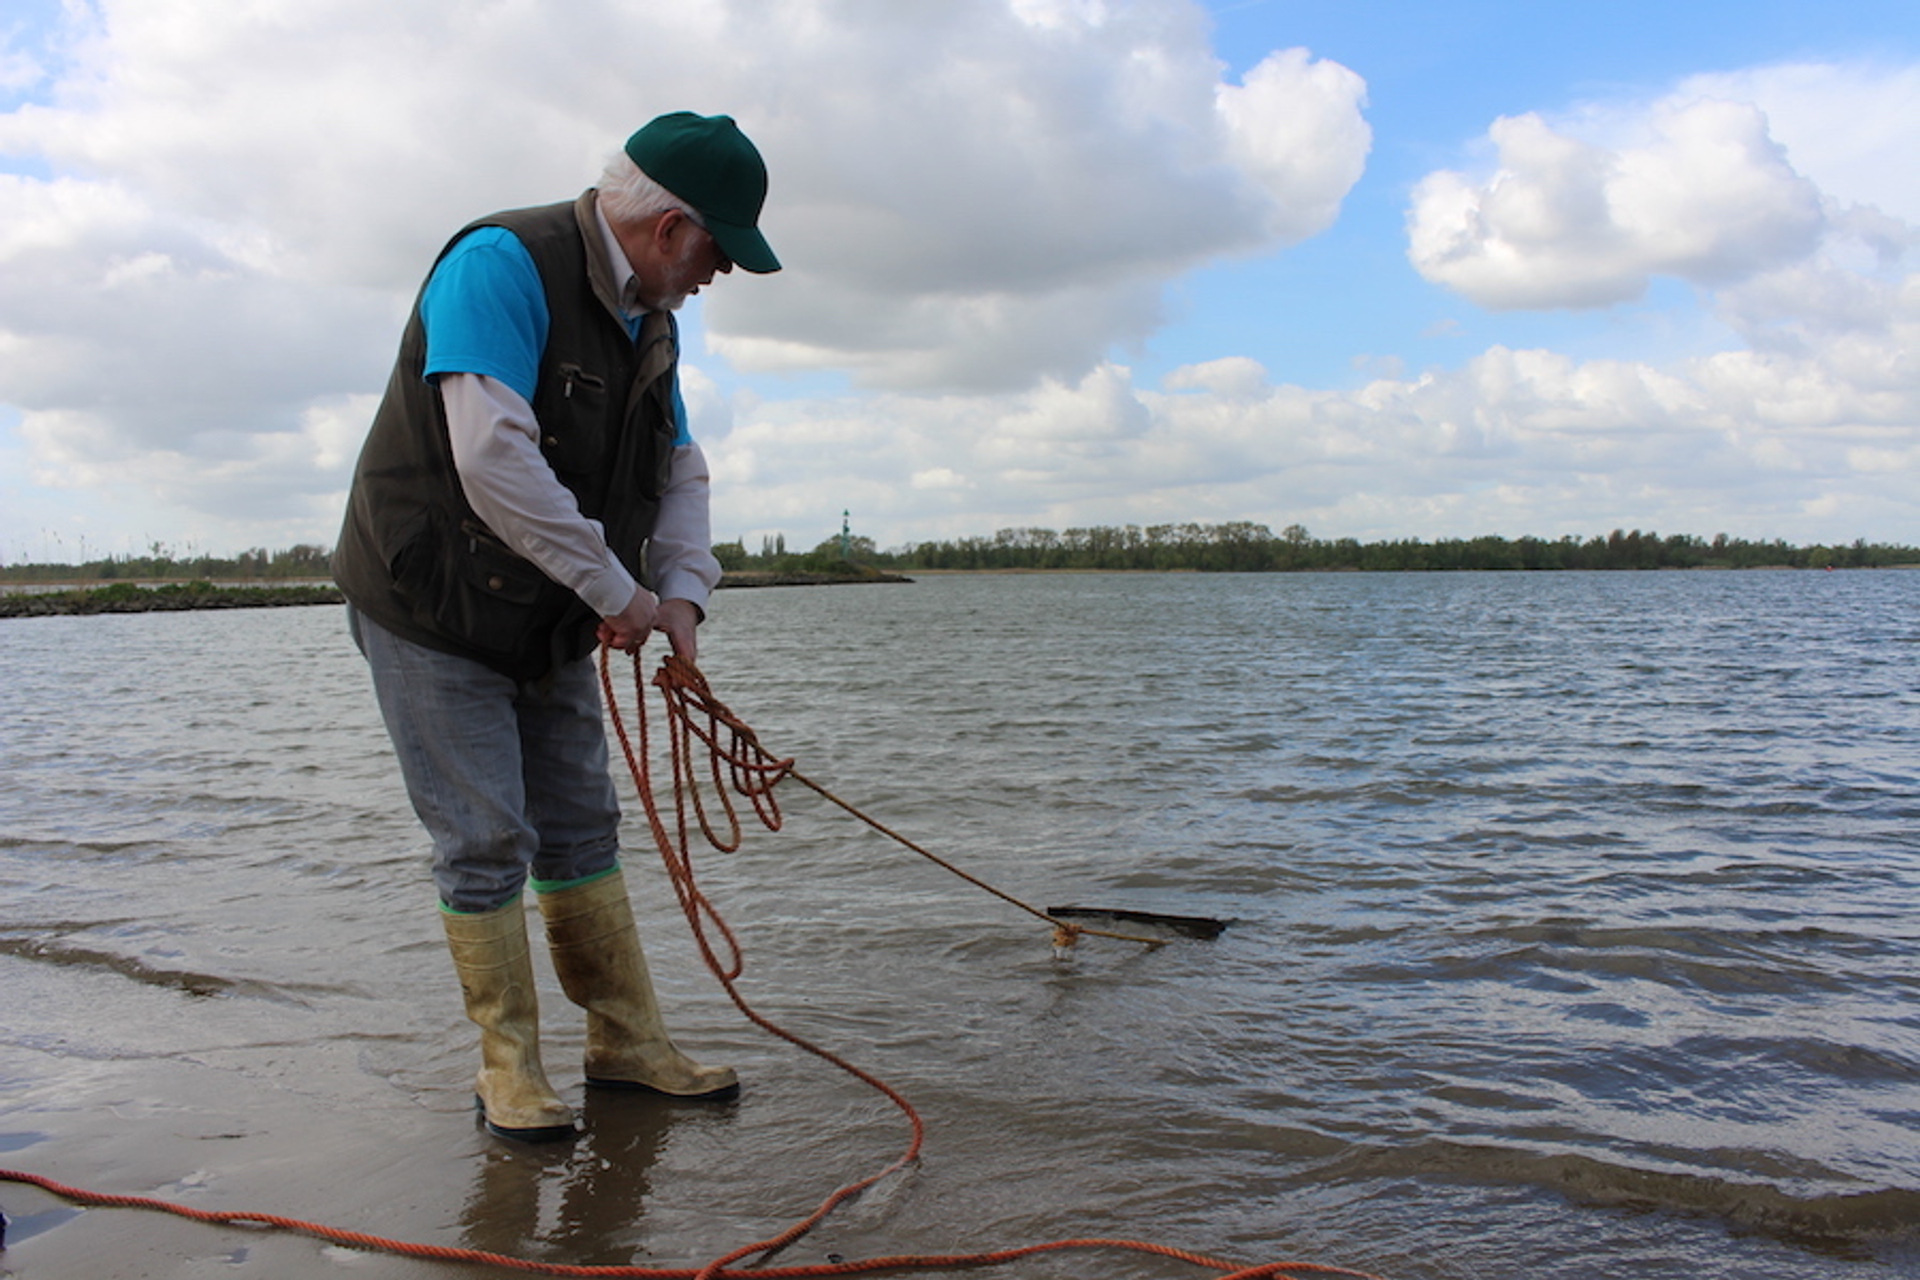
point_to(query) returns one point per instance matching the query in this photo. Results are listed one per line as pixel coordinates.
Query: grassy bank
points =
(130, 597)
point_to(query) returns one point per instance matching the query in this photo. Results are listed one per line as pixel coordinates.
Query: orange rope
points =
(754, 773)
(449, 1253)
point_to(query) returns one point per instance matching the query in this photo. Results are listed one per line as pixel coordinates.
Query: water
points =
(1574, 935)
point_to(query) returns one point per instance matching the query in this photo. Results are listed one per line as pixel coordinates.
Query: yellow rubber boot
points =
(496, 977)
(596, 952)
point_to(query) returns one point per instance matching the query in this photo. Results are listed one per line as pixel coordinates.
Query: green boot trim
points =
(555, 886)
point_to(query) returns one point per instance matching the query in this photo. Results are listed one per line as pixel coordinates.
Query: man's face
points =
(691, 260)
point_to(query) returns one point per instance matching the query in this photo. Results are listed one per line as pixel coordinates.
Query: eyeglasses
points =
(724, 263)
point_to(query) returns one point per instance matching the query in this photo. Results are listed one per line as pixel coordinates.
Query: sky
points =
(1381, 270)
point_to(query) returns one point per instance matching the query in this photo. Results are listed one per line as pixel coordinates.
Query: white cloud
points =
(1293, 124)
(1231, 377)
(1713, 184)
(1708, 197)
(1728, 178)
(978, 202)
(140, 323)
(1014, 208)
(979, 195)
(1848, 128)
(1515, 441)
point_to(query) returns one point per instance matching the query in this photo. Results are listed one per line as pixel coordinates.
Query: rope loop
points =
(755, 771)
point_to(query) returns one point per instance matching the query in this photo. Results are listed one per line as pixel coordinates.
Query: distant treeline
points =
(1243, 547)
(1235, 547)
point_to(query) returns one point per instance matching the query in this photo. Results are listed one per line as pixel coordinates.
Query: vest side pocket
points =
(466, 585)
(491, 591)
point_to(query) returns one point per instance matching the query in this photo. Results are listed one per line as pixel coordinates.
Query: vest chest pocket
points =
(573, 421)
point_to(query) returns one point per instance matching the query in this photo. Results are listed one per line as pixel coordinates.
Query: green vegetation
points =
(1236, 547)
(1243, 547)
(860, 559)
(128, 597)
(301, 563)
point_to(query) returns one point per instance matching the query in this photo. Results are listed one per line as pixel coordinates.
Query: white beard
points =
(674, 301)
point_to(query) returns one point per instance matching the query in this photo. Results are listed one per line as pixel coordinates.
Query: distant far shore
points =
(785, 578)
(60, 599)
(1690, 568)
(53, 599)
(41, 600)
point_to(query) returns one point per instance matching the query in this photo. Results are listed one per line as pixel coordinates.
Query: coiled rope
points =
(695, 713)
(737, 763)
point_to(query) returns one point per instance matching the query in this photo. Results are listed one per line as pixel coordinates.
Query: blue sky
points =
(1383, 270)
(1436, 76)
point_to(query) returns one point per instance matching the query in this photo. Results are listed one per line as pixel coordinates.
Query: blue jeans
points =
(508, 778)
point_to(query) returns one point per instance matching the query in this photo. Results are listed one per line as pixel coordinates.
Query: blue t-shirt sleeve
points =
(682, 433)
(485, 311)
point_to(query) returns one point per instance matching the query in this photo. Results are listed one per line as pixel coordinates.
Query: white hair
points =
(628, 196)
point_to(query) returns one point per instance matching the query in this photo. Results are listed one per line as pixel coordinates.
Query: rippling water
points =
(1574, 935)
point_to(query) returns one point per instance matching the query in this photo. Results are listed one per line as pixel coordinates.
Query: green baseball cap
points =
(708, 162)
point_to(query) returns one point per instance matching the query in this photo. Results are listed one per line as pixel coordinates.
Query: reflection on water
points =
(1573, 931)
(596, 1211)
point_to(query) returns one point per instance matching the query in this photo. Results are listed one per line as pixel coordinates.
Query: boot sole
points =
(540, 1133)
(725, 1093)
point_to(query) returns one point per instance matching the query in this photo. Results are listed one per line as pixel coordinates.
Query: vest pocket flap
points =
(573, 426)
(485, 565)
(464, 584)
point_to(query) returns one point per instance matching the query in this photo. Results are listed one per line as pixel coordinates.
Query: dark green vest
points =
(412, 554)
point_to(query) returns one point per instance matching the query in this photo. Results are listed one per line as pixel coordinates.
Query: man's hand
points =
(681, 621)
(628, 630)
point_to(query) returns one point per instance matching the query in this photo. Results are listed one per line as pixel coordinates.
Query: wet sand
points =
(306, 1131)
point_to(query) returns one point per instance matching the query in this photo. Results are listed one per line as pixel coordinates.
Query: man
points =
(528, 470)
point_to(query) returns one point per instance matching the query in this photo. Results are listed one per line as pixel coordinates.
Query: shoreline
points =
(80, 597)
(55, 599)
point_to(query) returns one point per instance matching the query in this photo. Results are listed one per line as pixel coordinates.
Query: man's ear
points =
(662, 231)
